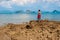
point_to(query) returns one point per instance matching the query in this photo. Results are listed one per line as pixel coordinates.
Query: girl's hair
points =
(38, 10)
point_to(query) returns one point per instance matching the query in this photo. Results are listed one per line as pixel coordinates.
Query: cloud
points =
(5, 4)
(45, 4)
(49, 4)
(18, 2)
(50, 0)
(10, 3)
(23, 2)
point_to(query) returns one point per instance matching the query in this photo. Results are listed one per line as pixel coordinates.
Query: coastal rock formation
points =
(34, 30)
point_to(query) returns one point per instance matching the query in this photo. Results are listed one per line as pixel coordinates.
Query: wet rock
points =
(28, 27)
(52, 27)
(22, 28)
(57, 30)
(37, 37)
(13, 39)
(42, 34)
(51, 32)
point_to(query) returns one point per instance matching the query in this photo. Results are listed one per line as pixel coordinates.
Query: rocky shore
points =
(33, 30)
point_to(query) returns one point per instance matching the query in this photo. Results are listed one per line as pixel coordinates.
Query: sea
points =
(18, 18)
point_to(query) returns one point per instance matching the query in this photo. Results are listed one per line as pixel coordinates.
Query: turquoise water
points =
(25, 17)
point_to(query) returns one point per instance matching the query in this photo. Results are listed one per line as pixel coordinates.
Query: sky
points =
(44, 5)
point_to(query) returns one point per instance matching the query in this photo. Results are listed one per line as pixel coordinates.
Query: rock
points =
(30, 39)
(43, 30)
(13, 39)
(3, 36)
(28, 27)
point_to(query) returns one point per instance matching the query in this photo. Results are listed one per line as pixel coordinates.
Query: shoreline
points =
(26, 22)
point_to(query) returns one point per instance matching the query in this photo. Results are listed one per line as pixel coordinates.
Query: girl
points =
(39, 15)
